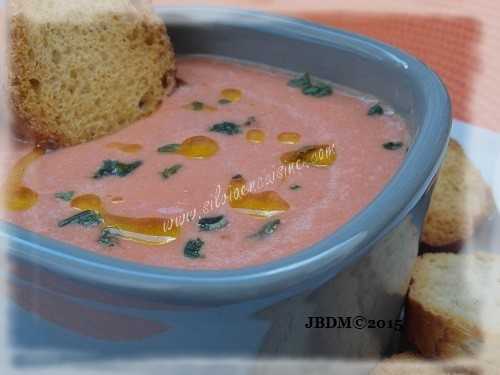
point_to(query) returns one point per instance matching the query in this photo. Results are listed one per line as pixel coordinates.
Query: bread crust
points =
(435, 331)
(436, 335)
(452, 311)
(461, 202)
(406, 363)
(53, 118)
(411, 363)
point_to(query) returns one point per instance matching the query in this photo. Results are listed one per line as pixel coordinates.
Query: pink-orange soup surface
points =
(321, 200)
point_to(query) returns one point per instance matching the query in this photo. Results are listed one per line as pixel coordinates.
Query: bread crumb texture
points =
(406, 363)
(453, 307)
(410, 363)
(83, 69)
(460, 202)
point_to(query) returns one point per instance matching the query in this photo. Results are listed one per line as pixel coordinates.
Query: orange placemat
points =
(460, 40)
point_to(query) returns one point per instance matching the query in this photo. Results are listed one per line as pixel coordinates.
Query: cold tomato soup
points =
(242, 165)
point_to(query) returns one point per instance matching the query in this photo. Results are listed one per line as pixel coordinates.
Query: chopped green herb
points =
(170, 171)
(193, 248)
(211, 224)
(116, 168)
(295, 187)
(228, 128)
(308, 87)
(392, 145)
(376, 110)
(65, 195)
(319, 91)
(301, 82)
(197, 106)
(250, 121)
(225, 101)
(85, 218)
(267, 229)
(170, 148)
(109, 237)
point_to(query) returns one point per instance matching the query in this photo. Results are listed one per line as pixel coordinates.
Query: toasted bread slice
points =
(406, 364)
(83, 69)
(453, 307)
(461, 201)
(410, 363)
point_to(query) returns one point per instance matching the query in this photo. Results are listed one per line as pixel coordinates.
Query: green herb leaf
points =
(392, 145)
(211, 224)
(295, 187)
(318, 91)
(267, 229)
(170, 171)
(65, 195)
(193, 249)
(170, 148)
(308, 87)
(116, 168)
(301, 82)
(228, 128)
(197, 106)
(224, 101)
(109, 237)
(85, 218)
(376, 110)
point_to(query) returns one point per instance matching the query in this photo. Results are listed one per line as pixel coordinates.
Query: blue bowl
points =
(104, 307)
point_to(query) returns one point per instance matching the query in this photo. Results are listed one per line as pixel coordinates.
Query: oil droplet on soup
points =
(232, 95)
(290, 138)
(316, 156)
(255, 136)
(16, 196)
(263, 204)
(149, 231)
(117, 200)
(198, 147)
(129, 148)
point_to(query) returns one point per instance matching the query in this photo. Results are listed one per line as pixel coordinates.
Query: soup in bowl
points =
(257, 193)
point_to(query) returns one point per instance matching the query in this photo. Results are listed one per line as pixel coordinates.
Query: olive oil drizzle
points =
(117, 200)
(231, 95)
(255, 136)
(17, 196)
(128, 148)
(149, 231)
(262, 204)
(321, 156)
(197, 147)
(289, 138)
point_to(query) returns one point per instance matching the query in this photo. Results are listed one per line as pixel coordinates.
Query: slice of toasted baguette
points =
(410, 363)
(407, 364)
(453, 307)
(83, 69)
(461, 201)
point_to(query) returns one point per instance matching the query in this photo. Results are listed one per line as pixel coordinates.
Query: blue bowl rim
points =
(342, 247)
